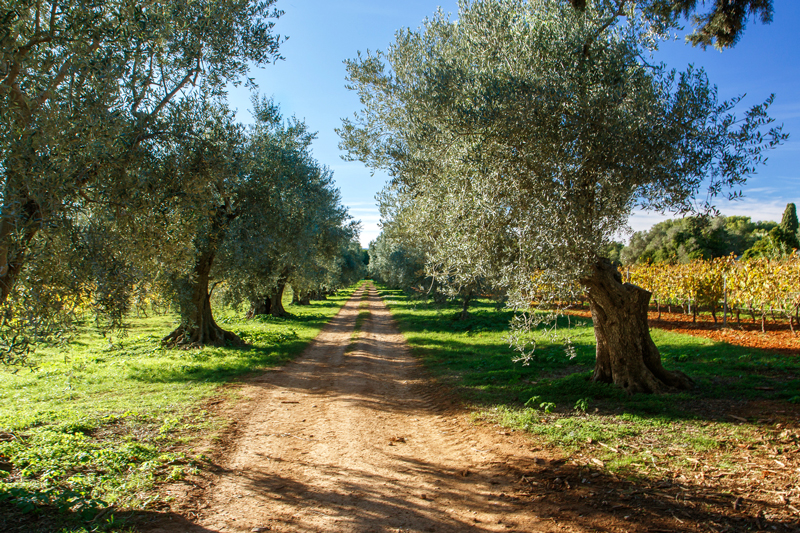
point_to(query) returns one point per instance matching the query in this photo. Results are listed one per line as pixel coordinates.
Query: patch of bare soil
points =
(355, 438)
(776, 337)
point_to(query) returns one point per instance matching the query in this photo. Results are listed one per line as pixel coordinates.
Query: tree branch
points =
(53, 17)
(171, 94)
(62, 73)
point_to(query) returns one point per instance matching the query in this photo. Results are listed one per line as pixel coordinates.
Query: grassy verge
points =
(101, 422)
(734, 419)
(363, 313)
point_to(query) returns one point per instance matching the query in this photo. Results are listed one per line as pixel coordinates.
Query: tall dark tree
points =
(722, 26)
(781, 240)
(789, 222)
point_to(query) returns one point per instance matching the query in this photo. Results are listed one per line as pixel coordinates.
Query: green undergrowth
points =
(102, 421)
(553, 398)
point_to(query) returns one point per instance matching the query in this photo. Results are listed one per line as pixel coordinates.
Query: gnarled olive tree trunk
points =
(259, 307)
(626, 354)
(269, 305)
(198, 326)
(465, 300)
(303, 298)
(13, 251)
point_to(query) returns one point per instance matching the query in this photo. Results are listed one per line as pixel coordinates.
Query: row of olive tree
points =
(256, 211)
(520, 137)
(120, 166)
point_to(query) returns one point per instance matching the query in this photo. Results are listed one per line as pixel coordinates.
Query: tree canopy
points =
(123, 171)
(685, 239)
(92, 94)
(721, 26)
(526, 132)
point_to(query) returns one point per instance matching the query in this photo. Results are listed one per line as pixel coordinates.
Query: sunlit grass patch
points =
(554, 399)
(104, 420)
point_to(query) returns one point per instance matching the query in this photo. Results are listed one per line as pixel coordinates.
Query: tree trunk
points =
(269, 305)
(301, 298)
(12, 251)
(198, 326)
(276, 301)
(465, 307)
(626, 354)
(259, 307)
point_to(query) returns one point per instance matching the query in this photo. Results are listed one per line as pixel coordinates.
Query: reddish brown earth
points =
(776, 337)
(354, 437)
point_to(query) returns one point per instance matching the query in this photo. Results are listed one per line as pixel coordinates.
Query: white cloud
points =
(369, 232)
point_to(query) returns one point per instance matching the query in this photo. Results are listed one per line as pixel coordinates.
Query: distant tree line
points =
(685, 239)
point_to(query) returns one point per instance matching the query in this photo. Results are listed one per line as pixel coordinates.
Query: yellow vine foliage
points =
(763, 285)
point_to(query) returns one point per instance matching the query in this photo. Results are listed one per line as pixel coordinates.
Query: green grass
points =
(103, 421)
(363, 313)
(554, 399)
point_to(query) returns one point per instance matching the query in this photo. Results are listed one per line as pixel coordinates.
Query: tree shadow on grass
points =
(481, 365)
(265, 349)
(218, 368)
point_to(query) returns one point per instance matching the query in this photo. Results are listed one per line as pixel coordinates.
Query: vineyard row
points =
(758, 287)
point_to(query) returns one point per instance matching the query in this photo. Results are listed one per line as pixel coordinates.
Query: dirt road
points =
(353, 438)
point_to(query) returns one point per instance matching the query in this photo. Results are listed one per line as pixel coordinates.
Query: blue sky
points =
(310, 84)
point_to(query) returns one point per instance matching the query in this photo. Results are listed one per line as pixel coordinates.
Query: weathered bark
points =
(299, 298)
(269, 305)
(276, 301)
(259, 307)
(12, 252)
(198, 326)
(626, 354)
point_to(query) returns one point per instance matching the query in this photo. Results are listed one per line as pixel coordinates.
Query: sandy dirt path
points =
(352, 437)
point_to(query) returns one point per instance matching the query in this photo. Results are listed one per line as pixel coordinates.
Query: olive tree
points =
(454, 271)
(551, 124)
(210, 172)
(325, 274)
(400, 265)
(86, 88)
(291, 224)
